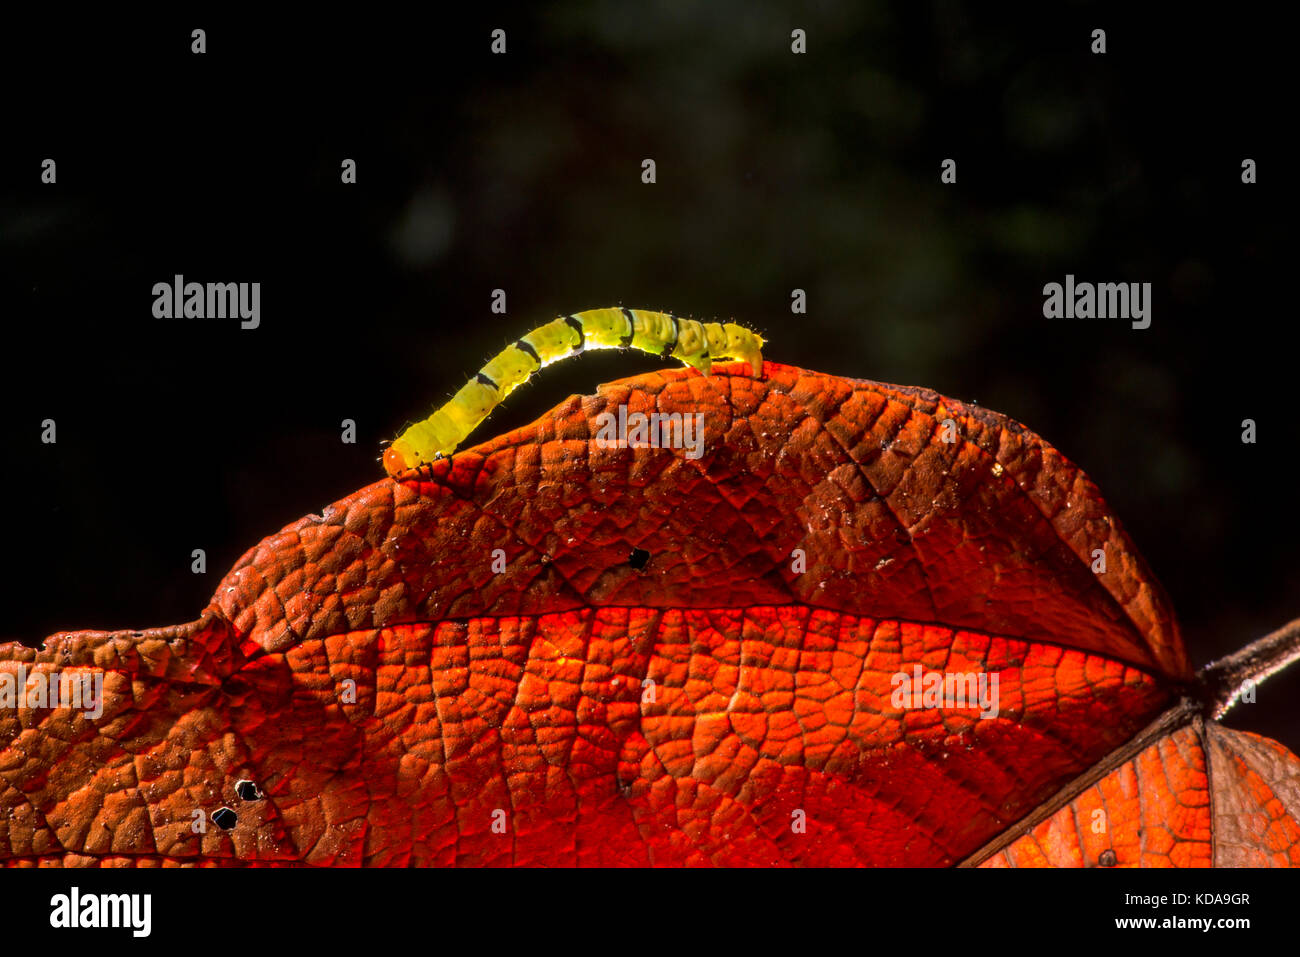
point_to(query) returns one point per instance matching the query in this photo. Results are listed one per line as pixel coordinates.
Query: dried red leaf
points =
(503, 716)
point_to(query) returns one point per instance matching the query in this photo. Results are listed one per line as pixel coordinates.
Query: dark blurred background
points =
(522, 172)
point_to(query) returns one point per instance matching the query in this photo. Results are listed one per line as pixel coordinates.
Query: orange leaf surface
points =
(466, 666)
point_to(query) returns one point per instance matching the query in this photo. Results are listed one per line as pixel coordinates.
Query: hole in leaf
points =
(1107, 858)
(638, 558)
(225, 818)
(247, 791)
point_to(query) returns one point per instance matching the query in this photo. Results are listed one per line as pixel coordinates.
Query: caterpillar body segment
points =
(695, 343)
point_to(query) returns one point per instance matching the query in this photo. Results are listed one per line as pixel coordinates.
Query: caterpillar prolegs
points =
(695, 343)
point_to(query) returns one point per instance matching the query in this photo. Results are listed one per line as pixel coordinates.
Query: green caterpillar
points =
(696, 343)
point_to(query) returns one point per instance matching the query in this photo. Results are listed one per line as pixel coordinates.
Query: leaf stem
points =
(1224, 680)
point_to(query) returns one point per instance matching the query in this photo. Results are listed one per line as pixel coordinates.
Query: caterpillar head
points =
(408, 452)
(399, 457)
